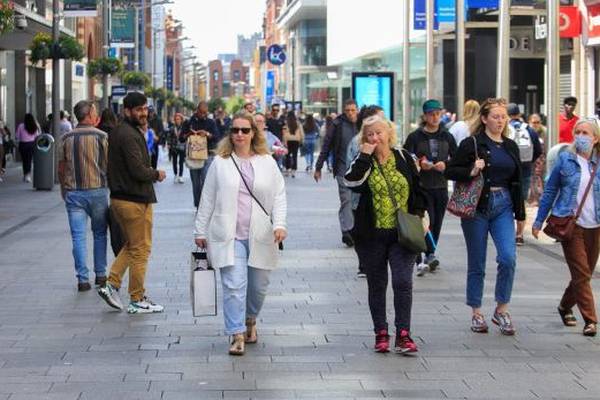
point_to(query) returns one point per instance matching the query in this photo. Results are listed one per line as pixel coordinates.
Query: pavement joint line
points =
(26, 222)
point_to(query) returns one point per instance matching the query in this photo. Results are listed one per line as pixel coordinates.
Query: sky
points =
(213, 25)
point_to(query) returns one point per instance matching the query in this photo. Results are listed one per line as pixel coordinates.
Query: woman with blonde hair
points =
(388, 181)
(240, 221)
(491, 153)
(462, 129)
(573, 189)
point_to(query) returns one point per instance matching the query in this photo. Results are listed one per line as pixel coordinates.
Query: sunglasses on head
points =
(235, 130)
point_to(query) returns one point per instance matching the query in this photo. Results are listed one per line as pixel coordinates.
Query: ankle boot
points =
(251, 336)
(237, 345)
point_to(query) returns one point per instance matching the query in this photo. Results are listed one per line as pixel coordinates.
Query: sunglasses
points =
(235, 130)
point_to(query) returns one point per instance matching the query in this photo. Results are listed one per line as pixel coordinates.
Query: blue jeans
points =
(310, 142)
(498, 220)
(244, 290)
(80, 205)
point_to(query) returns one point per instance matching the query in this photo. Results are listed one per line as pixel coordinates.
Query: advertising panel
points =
(374, 88)
(80, 8)
(123, 28)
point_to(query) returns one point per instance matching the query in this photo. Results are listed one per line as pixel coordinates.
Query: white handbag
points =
(203, 285)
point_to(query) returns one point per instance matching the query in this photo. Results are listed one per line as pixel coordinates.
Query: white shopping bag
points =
(203, 285)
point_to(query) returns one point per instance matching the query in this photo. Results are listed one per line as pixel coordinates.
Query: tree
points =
(235, 104)
(215, 103)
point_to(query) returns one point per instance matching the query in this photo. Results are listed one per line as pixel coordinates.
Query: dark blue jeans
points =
(80, 205)
(499, 222)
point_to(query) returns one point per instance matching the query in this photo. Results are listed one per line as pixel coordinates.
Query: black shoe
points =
(100, 281)
(347, 239)
(84, 286)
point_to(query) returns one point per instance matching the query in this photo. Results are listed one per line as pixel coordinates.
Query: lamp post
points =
(55, 80)
(503, 59)
(105, 47)
(137, 29)
(553, 71)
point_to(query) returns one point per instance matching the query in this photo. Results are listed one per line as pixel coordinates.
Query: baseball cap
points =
(431, 105)
(513, 109)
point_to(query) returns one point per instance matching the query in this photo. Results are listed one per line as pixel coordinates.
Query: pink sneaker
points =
(404, 343)
(382, 341)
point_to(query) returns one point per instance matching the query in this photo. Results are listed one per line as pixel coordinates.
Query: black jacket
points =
(339, 135)
(357, 179)
(460, 167)
(130, 175)
(205, 124)
(419, 144)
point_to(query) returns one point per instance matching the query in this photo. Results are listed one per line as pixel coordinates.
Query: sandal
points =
(567, 317)
(237, 345)
(589, 329)
(251, 335)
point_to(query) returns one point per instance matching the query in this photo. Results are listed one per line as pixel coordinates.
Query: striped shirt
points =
(83, 153)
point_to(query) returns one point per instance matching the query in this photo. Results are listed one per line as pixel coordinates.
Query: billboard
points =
(170, 73)
(80, 8)
(123, 28)
(269, 87)
(375, 88)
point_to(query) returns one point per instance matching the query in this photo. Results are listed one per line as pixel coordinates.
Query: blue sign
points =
(170, 73)
(420, 16)
(375, 88)
(446, 11)
(79, 70)
(118, 91)
(269, 87)
(276, 55)
(482, 3)
(112, 52)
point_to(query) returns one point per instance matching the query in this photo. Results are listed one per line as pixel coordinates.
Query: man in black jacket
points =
(156, 123)
(337, 139)
(433, 146)
(130, 179)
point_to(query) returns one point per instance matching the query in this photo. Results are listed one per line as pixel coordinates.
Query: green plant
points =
(7, 16)
(136, 79)
(215, 103)
(235, 104)
(42, 48)
(100, 67)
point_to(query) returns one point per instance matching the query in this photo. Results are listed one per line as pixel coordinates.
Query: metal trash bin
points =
(43, 162)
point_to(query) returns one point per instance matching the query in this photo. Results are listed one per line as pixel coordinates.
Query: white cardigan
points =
(216, 219)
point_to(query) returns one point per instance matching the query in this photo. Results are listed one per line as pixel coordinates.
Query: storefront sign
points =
(374, 88)
(123, 28)
(80, 8)
(118, 91)
(170, 73)
(482, 3)
(569, 22)
(269, 87)
(593, 25)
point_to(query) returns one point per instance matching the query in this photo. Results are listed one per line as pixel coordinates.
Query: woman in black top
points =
(177, 141)
(501, 202)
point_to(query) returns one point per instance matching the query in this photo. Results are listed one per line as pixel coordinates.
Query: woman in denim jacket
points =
(562, 195)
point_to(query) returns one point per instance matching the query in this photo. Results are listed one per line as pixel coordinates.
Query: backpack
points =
(520, 134)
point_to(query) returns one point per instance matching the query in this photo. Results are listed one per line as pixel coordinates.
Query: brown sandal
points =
(589, 329)
(568, 319)
(251, 335)
(237, 345)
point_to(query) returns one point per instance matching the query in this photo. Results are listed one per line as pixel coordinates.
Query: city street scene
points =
(299, 199)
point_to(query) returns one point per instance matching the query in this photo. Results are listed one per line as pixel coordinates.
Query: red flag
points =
(569, 22)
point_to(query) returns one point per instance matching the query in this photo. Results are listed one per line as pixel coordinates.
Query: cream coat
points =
(217, 214)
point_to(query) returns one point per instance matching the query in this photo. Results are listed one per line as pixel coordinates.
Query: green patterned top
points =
(385, 215)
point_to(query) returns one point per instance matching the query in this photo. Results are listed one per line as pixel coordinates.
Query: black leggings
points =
(26, 150)
(291, 159)
(175, 156)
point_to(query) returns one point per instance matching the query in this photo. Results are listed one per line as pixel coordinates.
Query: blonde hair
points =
(471, 111)
(478, 126)
(372, 120)
(259, 141)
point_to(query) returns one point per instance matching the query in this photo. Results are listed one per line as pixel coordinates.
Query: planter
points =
(104, 66)
(136, 80)
(42, 48)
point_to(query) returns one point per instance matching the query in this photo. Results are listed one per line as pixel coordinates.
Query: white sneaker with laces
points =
(422, 269)
(145, 306)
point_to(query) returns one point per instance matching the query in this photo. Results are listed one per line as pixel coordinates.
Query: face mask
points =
(583, 144)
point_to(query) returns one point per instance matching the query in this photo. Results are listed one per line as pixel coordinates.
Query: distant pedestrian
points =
(27, 132)
(325, 127)
(82, 165)
(250, 108)
(65, 124)
(433, 146)
(500, 203)
(155, 123)
(539, 168)
(338, 137)
(563, 196)
(381, 172)
(568, 119)
(462, 129)
(293, 136)
(240, 221)
(276, 148)
(223, 121)
(108, 121)
(130, 179)
(176, 140)
(311, 136)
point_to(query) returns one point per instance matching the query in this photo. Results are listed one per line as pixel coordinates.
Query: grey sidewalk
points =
(315, 331)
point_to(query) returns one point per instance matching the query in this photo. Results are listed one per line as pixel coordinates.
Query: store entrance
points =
(527, 84)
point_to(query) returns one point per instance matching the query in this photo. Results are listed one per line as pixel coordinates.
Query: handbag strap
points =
(248, 187)
(587, 189)
(387, 183)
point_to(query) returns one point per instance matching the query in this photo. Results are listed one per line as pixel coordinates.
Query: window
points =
(215, 75)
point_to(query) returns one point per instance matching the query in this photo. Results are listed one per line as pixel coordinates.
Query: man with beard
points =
(130, 179)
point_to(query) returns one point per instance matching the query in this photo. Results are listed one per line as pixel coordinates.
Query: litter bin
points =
(43, 162)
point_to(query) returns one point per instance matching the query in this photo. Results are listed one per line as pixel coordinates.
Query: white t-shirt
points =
(587, 219)
(460, 131)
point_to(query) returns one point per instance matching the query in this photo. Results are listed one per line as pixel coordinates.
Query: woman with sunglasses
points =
(496, 157)
(240, 221)
(564, 192)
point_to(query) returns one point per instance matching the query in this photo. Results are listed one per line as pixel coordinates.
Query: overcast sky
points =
(213, 25)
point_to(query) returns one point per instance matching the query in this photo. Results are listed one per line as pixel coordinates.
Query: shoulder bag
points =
(465, 197)
(280, 245)
(561, 228)
(410, 228)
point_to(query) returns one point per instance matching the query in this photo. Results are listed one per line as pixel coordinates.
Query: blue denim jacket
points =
(351, 154)
(560, 193)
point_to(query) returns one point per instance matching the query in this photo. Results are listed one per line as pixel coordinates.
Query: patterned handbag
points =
(464, 199)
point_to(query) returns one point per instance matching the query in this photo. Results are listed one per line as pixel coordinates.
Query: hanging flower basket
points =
(135, 79)
(7, 16)
(100, 67)
(42, 48)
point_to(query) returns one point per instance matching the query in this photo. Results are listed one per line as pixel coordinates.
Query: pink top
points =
(23, 136)
(244, 204)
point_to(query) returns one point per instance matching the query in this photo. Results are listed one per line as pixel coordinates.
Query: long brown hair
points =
(258, 145)
(292, 122)
(478, 126)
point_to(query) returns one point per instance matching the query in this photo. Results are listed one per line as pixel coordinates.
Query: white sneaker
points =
(28, 178)
(145, 306)
(180, 179)
(111, 296)
(422, 269)
(175, 179)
